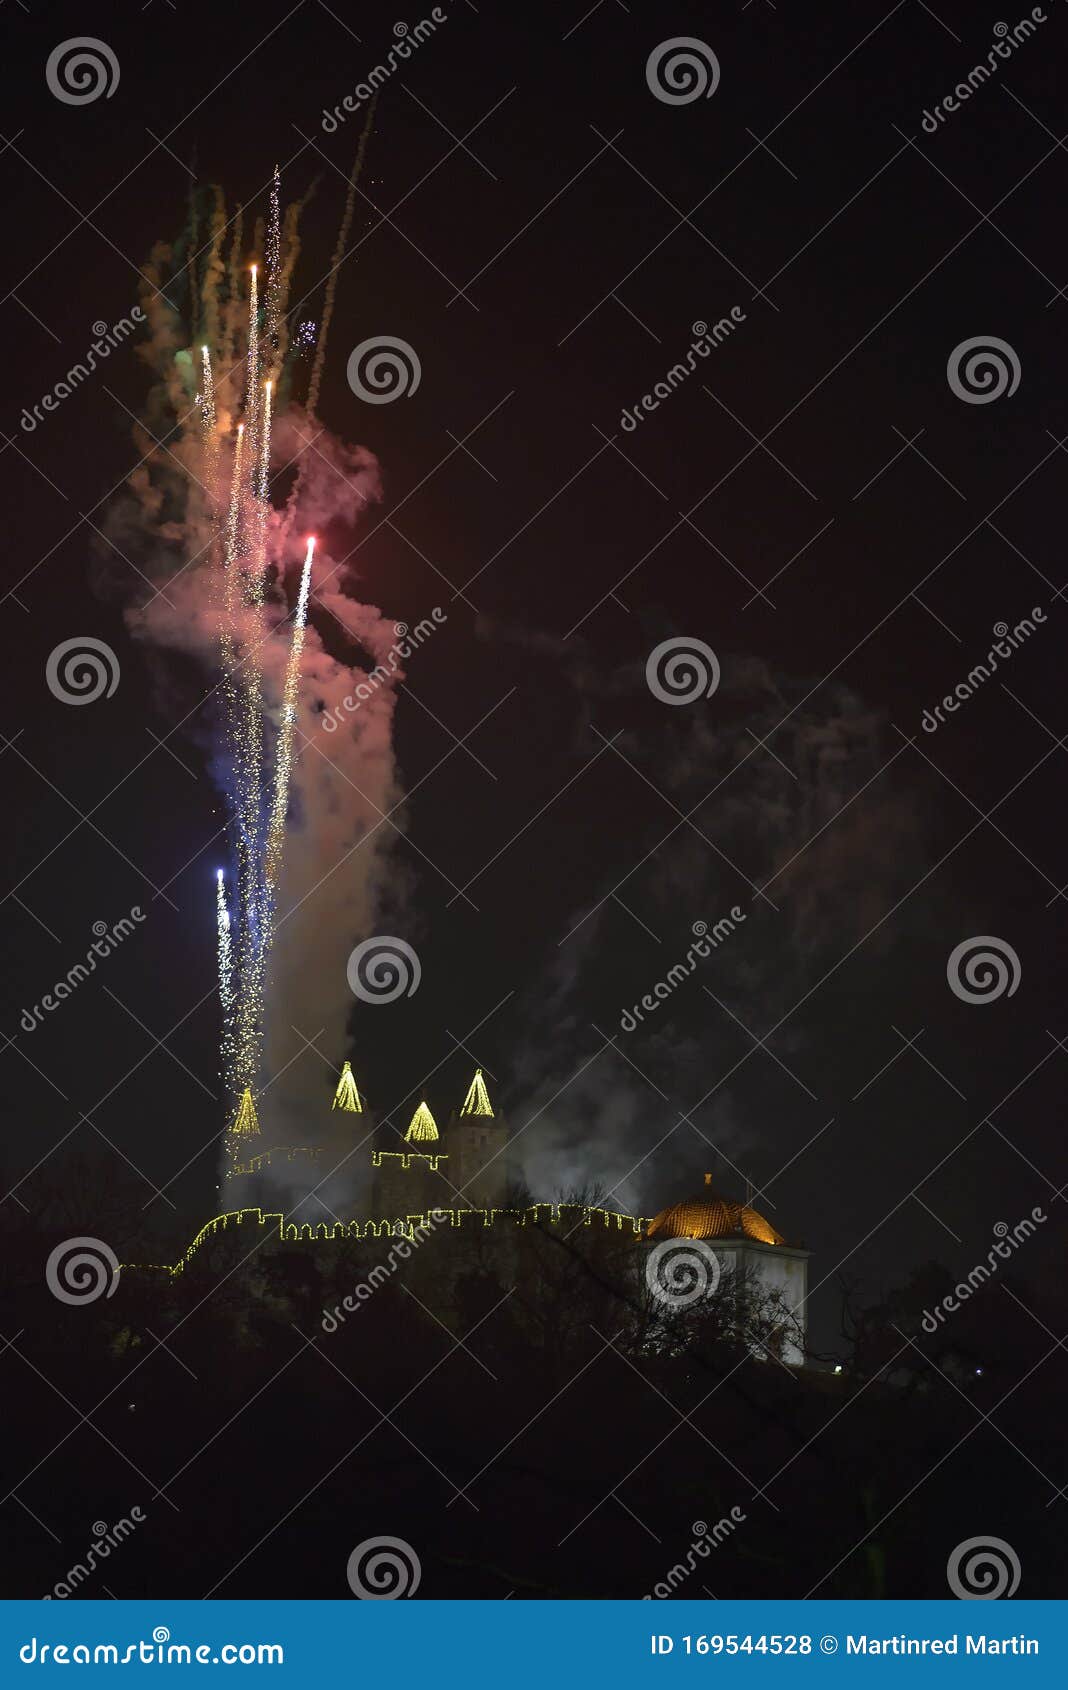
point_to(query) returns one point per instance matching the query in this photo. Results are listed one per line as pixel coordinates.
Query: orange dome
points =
(711, 1216)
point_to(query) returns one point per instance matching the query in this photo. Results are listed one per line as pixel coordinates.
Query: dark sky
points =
(815, 503)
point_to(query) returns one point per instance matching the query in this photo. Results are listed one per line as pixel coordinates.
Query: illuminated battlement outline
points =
(464, 1220)
(288, 1152)
(407, 1157)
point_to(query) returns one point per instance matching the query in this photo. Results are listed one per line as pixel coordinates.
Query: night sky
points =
(815, 503)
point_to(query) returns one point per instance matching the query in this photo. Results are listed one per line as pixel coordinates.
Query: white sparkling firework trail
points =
(273, 312)
(265, 454)
(244, 751)
(226, 952)
(252, 390)
(211, 438)
(230, 555)
(258, 559)
(284, 754)
(248, 723)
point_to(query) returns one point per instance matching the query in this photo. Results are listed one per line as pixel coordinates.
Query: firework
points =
(226, 966)
(230, 556)
(284, 755)
(338, 258)
(273, 313)
(210, 435)
(244, 373)
(252, 390)
(241, 709)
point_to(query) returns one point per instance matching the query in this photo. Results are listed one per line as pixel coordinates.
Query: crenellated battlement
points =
(274, 1228)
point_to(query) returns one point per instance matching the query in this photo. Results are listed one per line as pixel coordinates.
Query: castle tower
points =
(476, 1138)
(337, 1171)
(414, 1178)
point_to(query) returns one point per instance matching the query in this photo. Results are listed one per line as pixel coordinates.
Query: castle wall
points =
(411, 1183)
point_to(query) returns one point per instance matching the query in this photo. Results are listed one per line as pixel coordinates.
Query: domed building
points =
(750, 1253)
(346, 1180)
